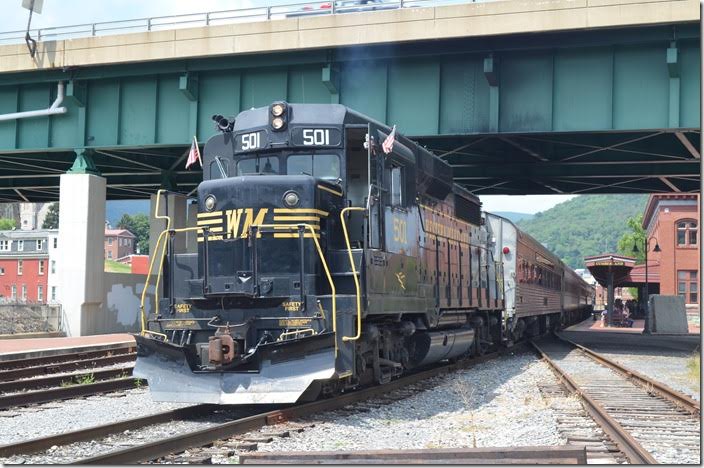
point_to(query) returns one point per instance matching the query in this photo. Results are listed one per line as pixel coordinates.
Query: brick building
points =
(28, 266)
(673, 220)
(119, 243)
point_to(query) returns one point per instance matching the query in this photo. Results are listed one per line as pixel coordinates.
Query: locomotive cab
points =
(331, 253)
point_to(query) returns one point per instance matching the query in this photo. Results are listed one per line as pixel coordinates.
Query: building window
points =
(40, 293)
(4, 245)
(40, 244)
(20, 245)
(41, 267)
(20, 266)
(53, 293)
(109, 253)
(2, 271)
(53, 267)
(56, 242)
(109, 240)
(24, 292)
(14, 292)
(687, 285)
(686, 233)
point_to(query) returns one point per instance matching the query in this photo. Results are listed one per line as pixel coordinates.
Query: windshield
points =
(258, 165)
(323, 166)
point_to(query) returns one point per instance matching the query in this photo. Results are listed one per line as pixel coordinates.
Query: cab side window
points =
(397, 197)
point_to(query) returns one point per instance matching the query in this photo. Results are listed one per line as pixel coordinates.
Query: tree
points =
(635, 236)
(139, 226)
(52, 217)
(6, 224)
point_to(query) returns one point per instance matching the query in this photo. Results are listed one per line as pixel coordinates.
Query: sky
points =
(71, 12)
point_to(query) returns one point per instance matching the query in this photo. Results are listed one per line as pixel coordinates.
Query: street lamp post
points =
(646, 328)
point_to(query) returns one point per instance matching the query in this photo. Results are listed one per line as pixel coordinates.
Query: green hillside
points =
(514, 216)
(585, 225)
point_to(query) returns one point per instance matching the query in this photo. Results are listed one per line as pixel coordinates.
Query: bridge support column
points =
(82, 245)
(173, 205)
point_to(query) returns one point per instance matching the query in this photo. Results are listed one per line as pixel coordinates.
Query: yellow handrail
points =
(354, 272)
(322, 260)
(151, 266)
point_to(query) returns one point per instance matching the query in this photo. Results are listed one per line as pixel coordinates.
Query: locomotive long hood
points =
(286, 370)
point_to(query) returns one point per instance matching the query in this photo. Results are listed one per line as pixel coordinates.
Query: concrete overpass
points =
(556, 96)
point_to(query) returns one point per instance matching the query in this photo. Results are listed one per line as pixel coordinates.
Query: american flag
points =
(193, 155)
(388, 144)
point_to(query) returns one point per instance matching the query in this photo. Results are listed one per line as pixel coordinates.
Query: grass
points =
(111, 266)
(79, 380)
(694, 365)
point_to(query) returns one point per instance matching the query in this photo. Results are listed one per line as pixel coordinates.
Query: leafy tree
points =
(6, 224)
(636, 236)
(139, 226)
(52, 217)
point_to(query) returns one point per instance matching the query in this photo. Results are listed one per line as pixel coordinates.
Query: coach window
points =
(322, 166)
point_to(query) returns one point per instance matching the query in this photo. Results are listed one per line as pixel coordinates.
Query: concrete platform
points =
(590, 325)
(37, 347)
(589, 332)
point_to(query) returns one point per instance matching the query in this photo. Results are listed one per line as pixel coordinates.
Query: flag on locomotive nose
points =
(388, 144)
(193, 155)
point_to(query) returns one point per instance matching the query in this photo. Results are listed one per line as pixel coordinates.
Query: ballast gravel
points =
(18, 424)
(494, 404)
(666, 366)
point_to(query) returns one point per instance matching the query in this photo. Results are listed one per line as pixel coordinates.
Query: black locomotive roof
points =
(304, 114)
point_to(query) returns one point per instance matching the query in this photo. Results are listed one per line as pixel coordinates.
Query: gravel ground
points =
(461, 411)
(19, 424)
(666, 366)
(73, 452)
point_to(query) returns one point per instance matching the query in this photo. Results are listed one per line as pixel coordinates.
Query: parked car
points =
(342, 6)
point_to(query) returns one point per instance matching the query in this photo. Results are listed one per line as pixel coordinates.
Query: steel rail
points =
(90, 433)
(62, 358)
(64, 393)
(178, 443)
(14, 374)
(630, 447)
(64, 379)
(680, 399)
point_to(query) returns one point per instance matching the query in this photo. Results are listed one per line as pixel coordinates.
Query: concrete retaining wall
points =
(120, 309)
(30, 318)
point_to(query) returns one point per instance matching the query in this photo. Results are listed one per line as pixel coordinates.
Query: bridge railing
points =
(240, 15)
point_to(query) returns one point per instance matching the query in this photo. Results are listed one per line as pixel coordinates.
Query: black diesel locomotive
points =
(330, 255)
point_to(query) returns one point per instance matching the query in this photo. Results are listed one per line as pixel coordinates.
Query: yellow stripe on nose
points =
(296, 218)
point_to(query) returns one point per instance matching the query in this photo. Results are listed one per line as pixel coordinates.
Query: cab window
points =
(323, 166)
(259, 165)
(219, 168)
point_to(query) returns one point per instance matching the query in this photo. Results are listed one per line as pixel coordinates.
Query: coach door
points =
(375, 199)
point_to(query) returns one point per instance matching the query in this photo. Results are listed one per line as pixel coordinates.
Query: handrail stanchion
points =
(354, 272)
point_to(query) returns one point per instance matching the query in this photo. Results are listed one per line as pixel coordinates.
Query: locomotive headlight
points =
(277, 110)
(210, 202)
(277, 123)
(291, 199)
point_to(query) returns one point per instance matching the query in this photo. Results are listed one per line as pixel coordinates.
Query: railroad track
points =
(250, 419)
(41, 366)
(646, 420)
(49, 378)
